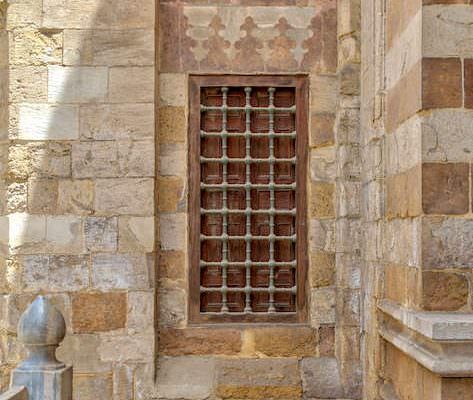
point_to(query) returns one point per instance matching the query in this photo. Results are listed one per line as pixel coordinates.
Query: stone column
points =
(41, 329)
(427, 226)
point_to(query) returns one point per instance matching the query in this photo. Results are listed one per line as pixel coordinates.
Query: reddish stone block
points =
(444, 291)
(445, 188)
(468, 82)
(441, 83)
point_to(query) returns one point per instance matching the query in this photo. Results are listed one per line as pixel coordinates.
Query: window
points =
(247, 170)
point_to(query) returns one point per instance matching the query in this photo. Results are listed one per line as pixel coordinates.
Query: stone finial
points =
(41, 329)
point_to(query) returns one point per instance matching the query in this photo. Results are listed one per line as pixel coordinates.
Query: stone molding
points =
(15, 393)
(439, 341)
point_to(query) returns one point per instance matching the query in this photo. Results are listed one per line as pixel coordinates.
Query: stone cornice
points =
(441, 342)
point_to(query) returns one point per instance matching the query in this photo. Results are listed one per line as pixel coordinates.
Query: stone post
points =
(41, 329)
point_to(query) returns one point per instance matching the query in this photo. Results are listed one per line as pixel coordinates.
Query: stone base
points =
(41, 385)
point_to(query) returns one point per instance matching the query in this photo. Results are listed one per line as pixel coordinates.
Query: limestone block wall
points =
(80, 184)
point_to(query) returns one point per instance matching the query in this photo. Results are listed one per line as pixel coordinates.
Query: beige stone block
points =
(42, 196)
(24, 13)
(124, 196)
(172, 159)
(173, 89)
(171, 194)
(132, 348)
(120, 271)
(65, 234)
(136, 158)
(322, 235)
(172, 124)
(81, 351)
(348, 16)
(109, 47)
(322, 164)
(93, 386)
(28, 84)
(4, 230)
(101, 234)
(172, 307)
(140, 318)
(322, 306)
(76, 197)
(131, 85)
(54, 273)
(48, 122)
(117, 121)
(324, 93)
(173, 231)
(99, 14)
(26, 230)
(77, 84)
(136, 234)
(95, 159)
(33, 47)
(17, 194)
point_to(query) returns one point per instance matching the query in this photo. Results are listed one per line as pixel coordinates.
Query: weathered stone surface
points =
(55, 273)
(101, 234)
(120, 271)
(199, 341)
(28, 84)
(441, 83)
(446, 242)
(96, 14)
(322, 164)
(172, 307)
(322, 269)
(322, 200)
(185, 377)
(445, 188)
(172, 231)
(65, 234)
(48, 122)
(33, 47)
(173, 89)
(324, 90)
(42, 196)
(171, 194)
(98, 312)
(95, 160)
(136, 234)
(172, 159)
(17, 197)
(124, 196)
(322, 307)
(258, 378)
(326, 341)
(321, 378)
(117, 121)
(136, 158)
(76, 197)
(322, 235)
(140, 317)
(172, 124)
(111, 48)
(134, 348)
(322, 129)
(24, 13)
(285, 342)
(444, 291)
(25, 231)
(77, 84)
(89, 387)
(131, 85)
(172, 268)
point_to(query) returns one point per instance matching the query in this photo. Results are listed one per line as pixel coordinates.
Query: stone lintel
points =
(436, 344)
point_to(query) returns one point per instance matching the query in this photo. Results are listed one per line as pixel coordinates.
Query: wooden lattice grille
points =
(247, 235)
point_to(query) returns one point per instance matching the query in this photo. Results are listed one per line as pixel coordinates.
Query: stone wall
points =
(83, 224)
(80, 185)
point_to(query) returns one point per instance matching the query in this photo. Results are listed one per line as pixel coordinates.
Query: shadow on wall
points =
(66, 134)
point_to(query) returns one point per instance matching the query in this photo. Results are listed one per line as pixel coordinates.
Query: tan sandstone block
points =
(285, 342)
(98, 312)
(133, 348)
(93, 386)
(172, 231)
(124, 196)
(109, 48)
(322, 200)
(32, 47)
(131, 85)
(322, 269)
(199, 341)
(136, 234)
(28, 84)
(444, 291)
(170, 194)
(24, 13)
(173, 89)
(76, 197)
(42, 196)
(172, 268)
(172, 124)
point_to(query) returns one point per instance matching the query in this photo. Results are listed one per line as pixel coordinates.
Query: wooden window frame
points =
(300, 83)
